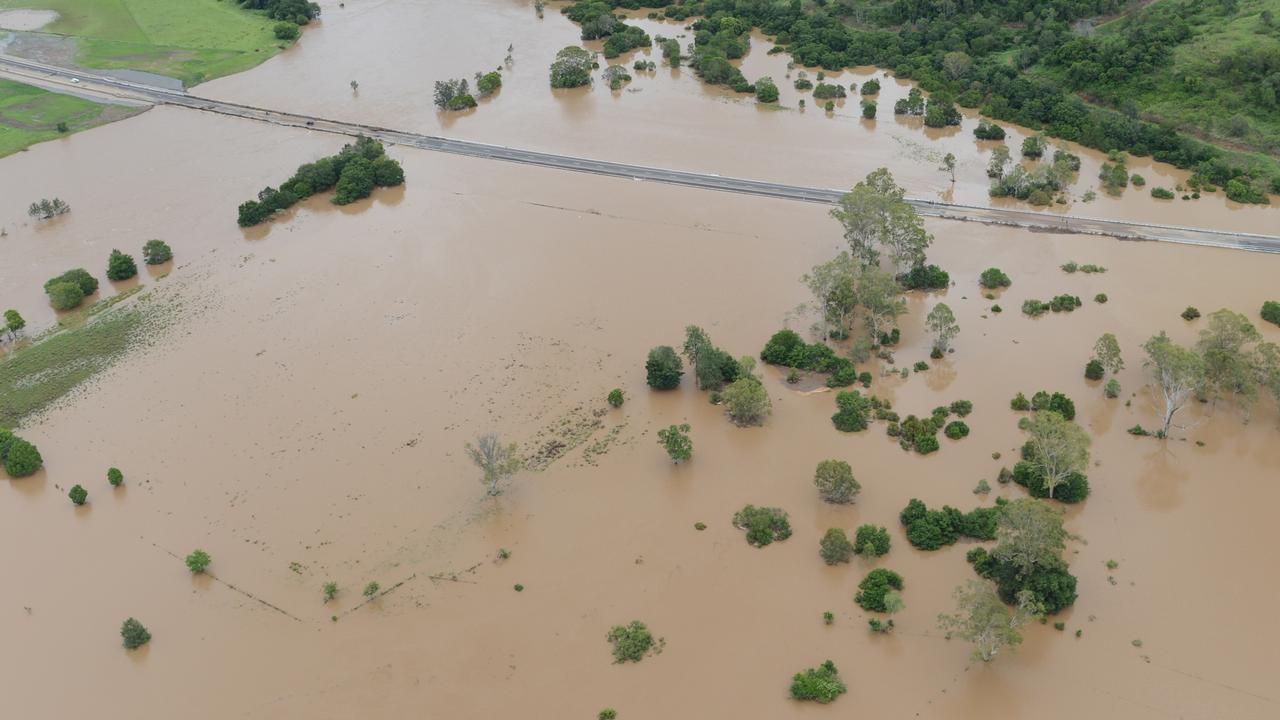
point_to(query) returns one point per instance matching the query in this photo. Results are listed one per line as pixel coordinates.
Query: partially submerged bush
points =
(835, 482)
(78, 495)
(851, 415)
(615, 397)
(198, 561)
(64, 295)
(115, 477)
(872, 589)
(630, 642)
(1093, 370)
(746, 401)
(1271, 312)
(925, 277)
(572, 67)
(956, 430)
(121, 266)
(675, 440)
(1051, 585)
(961, 407)
(871, 541)
(1190, 313)
(1072, 490)
(20, 457)
(134, 634)
(156, 252)
(821, 684)
(663, 368)
(1056, 402)
(1112, 389)
(835, 547)
(931, 529)
(993, 278)
(763, 524)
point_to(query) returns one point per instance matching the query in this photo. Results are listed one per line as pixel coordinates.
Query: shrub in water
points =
(993, 278)
(198, 561)
(120, 266)
(835, 547)
(763, 524)
(156, 252)
(851, 415)
(78, 495)
(835, 481)
(134, 634)
(871, 541)
(630, 642)
(21, 458)
(956, 429)
(821, 684)
(1271, 312)
(872, 589)
(663, 368)
(615, 397)
(115, 477)
(1093, 370)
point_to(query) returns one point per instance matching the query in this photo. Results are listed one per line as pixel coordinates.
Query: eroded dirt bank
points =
(306, 424)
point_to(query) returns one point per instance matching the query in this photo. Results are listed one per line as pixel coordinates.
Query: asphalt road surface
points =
(110, 88)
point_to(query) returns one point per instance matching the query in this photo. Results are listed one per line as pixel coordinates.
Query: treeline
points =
(296, 11)
(354, 172)
(977, 56)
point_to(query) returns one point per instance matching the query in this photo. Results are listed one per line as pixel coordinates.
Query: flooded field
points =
(667, 118)
(304, 422)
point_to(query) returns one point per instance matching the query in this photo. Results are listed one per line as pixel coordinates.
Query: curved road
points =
(88, 84)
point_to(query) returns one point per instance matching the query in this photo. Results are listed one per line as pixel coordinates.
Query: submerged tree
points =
(1030, 535)
(881, 299)
(834, 285)
(1229, 367)
(942, 323)
(675, 440)
(496, 461)
(1107, 351)
(877, 219)
(1176, 374)
(134, 634)
(745, 400)
(984, 620)
(572, 67)
(1059, 447)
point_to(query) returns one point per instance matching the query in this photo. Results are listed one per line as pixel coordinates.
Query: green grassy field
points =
(37, 376)
(1192, 91)
(29, 115)
(191, 40)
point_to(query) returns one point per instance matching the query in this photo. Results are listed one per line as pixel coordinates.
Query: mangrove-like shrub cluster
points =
(353, 173)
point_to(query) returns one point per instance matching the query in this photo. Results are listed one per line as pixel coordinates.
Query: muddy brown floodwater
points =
(305, 423)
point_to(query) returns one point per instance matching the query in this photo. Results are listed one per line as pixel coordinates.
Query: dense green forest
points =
(1148, 79)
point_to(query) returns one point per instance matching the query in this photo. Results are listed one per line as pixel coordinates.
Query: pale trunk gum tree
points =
(833, 285)
(1030, 535)
(1060, 447)
(984, 620)
(881, 297)
(1176, 372)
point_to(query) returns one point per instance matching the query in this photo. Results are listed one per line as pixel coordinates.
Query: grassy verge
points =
(191, 40)
(33, 378)
(29, 115)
